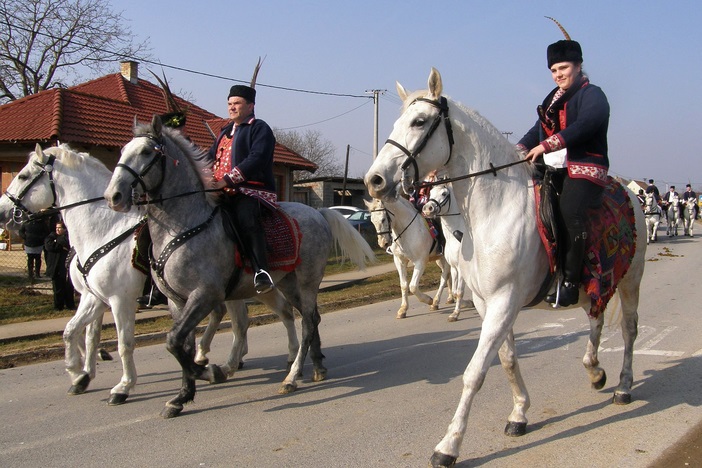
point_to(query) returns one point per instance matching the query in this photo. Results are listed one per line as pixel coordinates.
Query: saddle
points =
(610, 245)
(283, 239)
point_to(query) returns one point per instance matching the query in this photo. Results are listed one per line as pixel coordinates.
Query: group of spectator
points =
(51, 239)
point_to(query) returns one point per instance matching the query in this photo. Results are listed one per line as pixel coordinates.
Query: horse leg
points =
(310, 342)
(628, 290)
(239, 314)
(597, 375)
(443, 283)
(180, 342)
(283, 309)
(496, 327)
(417, 273)
(401, 266)
(89, 310)
(459, 287)
(124, 314)
(517, 420)
(203, 346)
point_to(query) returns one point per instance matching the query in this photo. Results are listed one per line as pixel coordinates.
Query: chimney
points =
(130, 70)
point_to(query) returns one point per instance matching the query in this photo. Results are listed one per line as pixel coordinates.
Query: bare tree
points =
(310, 145)
(44, 43)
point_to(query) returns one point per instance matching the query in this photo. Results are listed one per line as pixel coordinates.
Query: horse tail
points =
(613, 312)
(352, 244)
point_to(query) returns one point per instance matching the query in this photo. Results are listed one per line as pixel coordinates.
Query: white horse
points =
(689, 215)
(404, 231)
(59, 176)
(652, 213)
(673, 215)
(503, 259)
(442, 204)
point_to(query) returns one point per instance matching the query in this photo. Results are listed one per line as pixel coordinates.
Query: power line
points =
(175, 67)
(327, 120)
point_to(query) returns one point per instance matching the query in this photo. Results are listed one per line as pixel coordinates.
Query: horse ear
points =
(157, 125)
(39, 152)
(401, 91)
(435, 85)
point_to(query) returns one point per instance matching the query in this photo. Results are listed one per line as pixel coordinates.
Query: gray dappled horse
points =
(196, 257)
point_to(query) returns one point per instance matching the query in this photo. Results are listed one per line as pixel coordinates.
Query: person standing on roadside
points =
(34, 232)
(57, 247)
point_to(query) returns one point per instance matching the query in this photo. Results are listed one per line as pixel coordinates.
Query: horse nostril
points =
(376, 181)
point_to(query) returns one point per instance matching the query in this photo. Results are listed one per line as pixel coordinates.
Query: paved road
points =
(392, 389)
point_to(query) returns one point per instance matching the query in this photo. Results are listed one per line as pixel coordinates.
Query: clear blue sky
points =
(646, 55)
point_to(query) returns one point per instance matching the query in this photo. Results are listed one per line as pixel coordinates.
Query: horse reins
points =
(46, 168)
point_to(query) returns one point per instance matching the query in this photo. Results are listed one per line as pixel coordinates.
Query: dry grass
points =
(375, 289)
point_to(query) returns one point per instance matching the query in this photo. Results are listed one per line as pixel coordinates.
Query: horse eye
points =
(419, 122)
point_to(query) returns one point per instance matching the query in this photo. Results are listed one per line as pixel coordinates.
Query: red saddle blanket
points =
(610, 247)
(283, 239)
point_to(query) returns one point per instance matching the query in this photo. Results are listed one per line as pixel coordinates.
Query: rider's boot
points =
(262, 279)
(570, 288)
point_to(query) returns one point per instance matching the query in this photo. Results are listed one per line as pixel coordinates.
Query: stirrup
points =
(263, 282)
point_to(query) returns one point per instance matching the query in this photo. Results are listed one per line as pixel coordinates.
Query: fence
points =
(13, 260)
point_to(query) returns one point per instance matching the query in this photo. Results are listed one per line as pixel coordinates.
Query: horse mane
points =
(478, 124)
(73, 159)
(195, 155)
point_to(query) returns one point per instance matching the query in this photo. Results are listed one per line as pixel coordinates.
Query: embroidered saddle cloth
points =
(610, 246)
(283, 239)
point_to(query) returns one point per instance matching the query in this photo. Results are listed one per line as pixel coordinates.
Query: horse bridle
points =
(389, 228)
(440, 204)
(19, 210)
(443, 115)
(160, 156)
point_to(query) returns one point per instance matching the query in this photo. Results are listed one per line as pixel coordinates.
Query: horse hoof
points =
(171, 411)
(241, 365)
(104, 355)
(433, 307)
(621, 398)
(515, 429)
(217, 376)
(117, 399)
(402, 315)
(439, 460)
(81, 386)
(319, 375)
(601, 382)
(452, 318)
(287, 389)
(202, 362)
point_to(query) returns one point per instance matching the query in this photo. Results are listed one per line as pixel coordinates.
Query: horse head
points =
(416, 146)
(141, 167)
(32, 190)
(439, 201)
(380, 217)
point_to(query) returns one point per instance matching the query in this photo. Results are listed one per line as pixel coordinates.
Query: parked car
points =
(346, 210)
(361, 220)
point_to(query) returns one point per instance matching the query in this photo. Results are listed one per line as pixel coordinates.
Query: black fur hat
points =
(247, 92)
(564, 51)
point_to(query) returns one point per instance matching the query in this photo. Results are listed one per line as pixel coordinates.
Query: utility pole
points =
(375, 93)
(507, 134)
(346, 174)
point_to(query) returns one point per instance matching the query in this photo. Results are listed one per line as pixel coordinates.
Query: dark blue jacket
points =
(252, 151)
(578, 121)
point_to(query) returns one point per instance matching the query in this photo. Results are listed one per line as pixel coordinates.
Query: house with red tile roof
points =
(97, 117)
